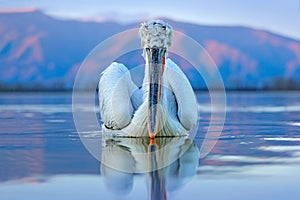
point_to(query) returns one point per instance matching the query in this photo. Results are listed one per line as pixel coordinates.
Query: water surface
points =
(256, 157)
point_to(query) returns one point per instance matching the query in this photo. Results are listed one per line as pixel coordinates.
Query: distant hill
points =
(41, 52)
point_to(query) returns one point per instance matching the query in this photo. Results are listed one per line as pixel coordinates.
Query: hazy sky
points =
(281, 16)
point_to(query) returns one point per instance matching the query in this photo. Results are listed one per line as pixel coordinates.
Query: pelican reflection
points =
(166, 162)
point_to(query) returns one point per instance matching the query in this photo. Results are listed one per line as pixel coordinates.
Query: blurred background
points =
(256, 45)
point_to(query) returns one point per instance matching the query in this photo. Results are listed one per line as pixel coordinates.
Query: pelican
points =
(165, 105)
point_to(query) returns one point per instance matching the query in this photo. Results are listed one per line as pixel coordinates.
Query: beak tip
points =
(152, 135)
(152, 139)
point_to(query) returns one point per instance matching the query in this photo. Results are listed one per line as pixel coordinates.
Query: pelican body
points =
(164, 106)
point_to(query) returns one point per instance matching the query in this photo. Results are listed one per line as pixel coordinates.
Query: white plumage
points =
(124, 108)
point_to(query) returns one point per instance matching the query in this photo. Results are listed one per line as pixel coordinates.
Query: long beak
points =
(155, 57)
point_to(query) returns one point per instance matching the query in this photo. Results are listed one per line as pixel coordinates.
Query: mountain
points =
(41, 52)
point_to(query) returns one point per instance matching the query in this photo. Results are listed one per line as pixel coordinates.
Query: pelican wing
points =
(118, 96)
(184, 94)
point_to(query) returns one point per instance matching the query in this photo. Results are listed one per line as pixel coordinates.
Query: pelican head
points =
(156, 37)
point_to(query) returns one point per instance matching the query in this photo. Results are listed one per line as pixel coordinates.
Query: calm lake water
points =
(256, 157)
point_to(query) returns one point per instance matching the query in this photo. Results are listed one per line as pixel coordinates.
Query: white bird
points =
(164, 106)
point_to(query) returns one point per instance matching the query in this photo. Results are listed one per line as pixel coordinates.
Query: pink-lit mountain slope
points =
(38, 51)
